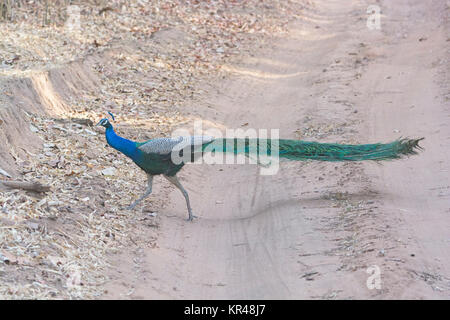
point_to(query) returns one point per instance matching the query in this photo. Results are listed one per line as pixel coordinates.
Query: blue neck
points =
(125, 146)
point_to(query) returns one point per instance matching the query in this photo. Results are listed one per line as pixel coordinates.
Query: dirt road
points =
(314, 229)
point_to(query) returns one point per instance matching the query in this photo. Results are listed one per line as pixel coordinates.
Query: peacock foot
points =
(131, 206)
(191, 217)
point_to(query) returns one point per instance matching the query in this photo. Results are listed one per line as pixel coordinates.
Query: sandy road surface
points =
(312, 230)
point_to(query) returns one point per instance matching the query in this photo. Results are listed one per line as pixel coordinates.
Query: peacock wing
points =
(164, 146)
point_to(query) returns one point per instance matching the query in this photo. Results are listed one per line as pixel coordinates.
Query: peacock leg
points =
(176, 182)
(148, 191)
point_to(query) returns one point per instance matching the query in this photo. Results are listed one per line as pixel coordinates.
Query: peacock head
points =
(105, 122)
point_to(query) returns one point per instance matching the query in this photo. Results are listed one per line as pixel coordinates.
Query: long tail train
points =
(305, 150)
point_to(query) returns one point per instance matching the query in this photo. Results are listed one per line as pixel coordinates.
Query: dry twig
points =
(29, 186)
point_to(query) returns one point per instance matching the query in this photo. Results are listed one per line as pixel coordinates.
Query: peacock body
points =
(154, 156)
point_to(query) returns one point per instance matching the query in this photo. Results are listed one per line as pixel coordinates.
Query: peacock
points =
(154, 156)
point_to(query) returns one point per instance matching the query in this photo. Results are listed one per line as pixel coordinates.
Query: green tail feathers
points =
(305, 150)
